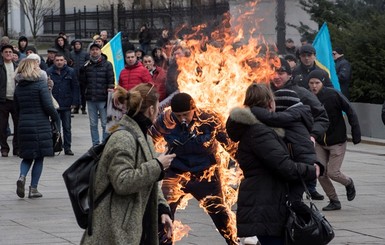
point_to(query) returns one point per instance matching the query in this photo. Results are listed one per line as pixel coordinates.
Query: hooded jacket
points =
(321, 121)
(267, 168)
(34, 105)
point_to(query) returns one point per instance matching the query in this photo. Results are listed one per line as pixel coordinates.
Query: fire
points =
(216, 75)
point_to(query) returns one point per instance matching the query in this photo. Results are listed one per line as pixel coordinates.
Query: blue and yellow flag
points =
(323, 47)
(113, 50)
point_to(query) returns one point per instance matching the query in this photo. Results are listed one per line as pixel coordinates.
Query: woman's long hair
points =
(28, 69)
(138, 99)
(258, 95)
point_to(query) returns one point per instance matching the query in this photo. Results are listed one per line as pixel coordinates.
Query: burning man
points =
(193, 135)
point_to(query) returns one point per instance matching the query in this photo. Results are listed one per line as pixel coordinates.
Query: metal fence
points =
(85, 24)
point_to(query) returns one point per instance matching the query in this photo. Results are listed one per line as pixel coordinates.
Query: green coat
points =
(130, 165)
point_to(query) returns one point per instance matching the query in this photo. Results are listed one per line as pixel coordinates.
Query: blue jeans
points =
(65, 121)
(37, 169)
(96, 108)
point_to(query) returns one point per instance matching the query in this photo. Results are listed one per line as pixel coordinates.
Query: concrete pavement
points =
(50, 220)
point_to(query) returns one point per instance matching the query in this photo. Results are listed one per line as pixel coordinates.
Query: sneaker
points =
(350, 191)
(75, 111)
(20, 187)
(34, 193)
(249, 240)
(68, 152)
(316, 196)
(333, 205)
(84, 112)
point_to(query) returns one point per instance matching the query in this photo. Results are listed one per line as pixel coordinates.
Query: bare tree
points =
(35, 10)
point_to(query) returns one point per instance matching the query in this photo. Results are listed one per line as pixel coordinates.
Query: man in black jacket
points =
(331, 147)
(283, 79)
(344, 71)
(307, 56)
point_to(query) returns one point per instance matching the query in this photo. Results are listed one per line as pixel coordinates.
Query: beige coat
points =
(129, 164)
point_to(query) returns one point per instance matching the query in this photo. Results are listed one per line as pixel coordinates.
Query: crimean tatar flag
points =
(114, 52)
(323, 47)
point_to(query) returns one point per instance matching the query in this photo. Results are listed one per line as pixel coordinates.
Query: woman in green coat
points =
(131, 212)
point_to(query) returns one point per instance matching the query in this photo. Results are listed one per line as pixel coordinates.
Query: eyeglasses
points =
(152, 86)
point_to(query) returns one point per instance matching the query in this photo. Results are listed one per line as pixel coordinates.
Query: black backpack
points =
(79, 180)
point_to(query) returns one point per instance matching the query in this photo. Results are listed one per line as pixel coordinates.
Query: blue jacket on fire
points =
(200, 139)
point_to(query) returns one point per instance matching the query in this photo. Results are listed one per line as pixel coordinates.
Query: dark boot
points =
(350, 191)
(316, 196)
(333, 205)
(20, 189)
(34, 193)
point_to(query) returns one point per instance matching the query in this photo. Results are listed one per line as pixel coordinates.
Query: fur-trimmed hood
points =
(239, 121)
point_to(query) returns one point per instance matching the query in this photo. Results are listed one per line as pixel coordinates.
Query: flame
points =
(216, 74)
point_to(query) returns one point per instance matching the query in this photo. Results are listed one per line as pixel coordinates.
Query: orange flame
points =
(216, 74)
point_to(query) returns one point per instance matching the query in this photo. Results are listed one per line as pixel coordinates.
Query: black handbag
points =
(56, 139)
(307, 225)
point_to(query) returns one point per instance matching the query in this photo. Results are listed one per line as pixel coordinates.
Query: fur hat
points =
(182, 102)
(285, 98)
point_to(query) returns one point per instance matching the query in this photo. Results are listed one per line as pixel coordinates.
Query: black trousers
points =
(207, 190)
(6, 108)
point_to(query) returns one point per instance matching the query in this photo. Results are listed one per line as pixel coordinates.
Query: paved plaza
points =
(49, 220)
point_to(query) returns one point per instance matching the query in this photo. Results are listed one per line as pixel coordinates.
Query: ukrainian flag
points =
(114, 52)
(323, 47)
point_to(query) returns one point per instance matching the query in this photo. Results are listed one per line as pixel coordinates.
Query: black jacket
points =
(34, 105)
(335, 103)
(97, 78)
(267, 168)
(297, 122)
(321, 121)
(301, 72)
(3, 80)
(344, 73)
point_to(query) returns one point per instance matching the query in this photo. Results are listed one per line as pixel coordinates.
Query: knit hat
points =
(339, 50)
(34, 57)
(182, 102)
(319, 74)
(285, 67)
(285, 98)
(31, 48)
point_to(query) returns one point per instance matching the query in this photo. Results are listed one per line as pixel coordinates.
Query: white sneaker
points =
(253, 240)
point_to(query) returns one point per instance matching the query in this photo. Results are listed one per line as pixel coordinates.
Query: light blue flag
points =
(323, 47)
(114, 52)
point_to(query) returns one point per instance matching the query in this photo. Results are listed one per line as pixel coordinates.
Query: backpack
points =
(79, 181)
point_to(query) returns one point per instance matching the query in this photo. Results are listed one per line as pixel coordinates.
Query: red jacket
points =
(159, 80)
(133, 75)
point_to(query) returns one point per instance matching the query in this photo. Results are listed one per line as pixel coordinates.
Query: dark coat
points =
(66, 86)
(301, 72)
(197, 154)
(97, 77)
(34, 105)
(297, 122)
(321, 121)
(79, 58)
(129, 164)
(335, 103)
(3, 80)
(344, 73)
(267, 168)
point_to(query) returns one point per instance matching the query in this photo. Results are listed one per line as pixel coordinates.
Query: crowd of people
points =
(300, 99)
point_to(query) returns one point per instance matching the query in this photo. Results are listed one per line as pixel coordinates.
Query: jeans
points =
(65, 121)
(96, 108)
(37, 169)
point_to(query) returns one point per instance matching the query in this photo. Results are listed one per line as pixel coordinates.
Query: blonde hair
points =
(138, 99)
(258, 95)
(28, 69)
